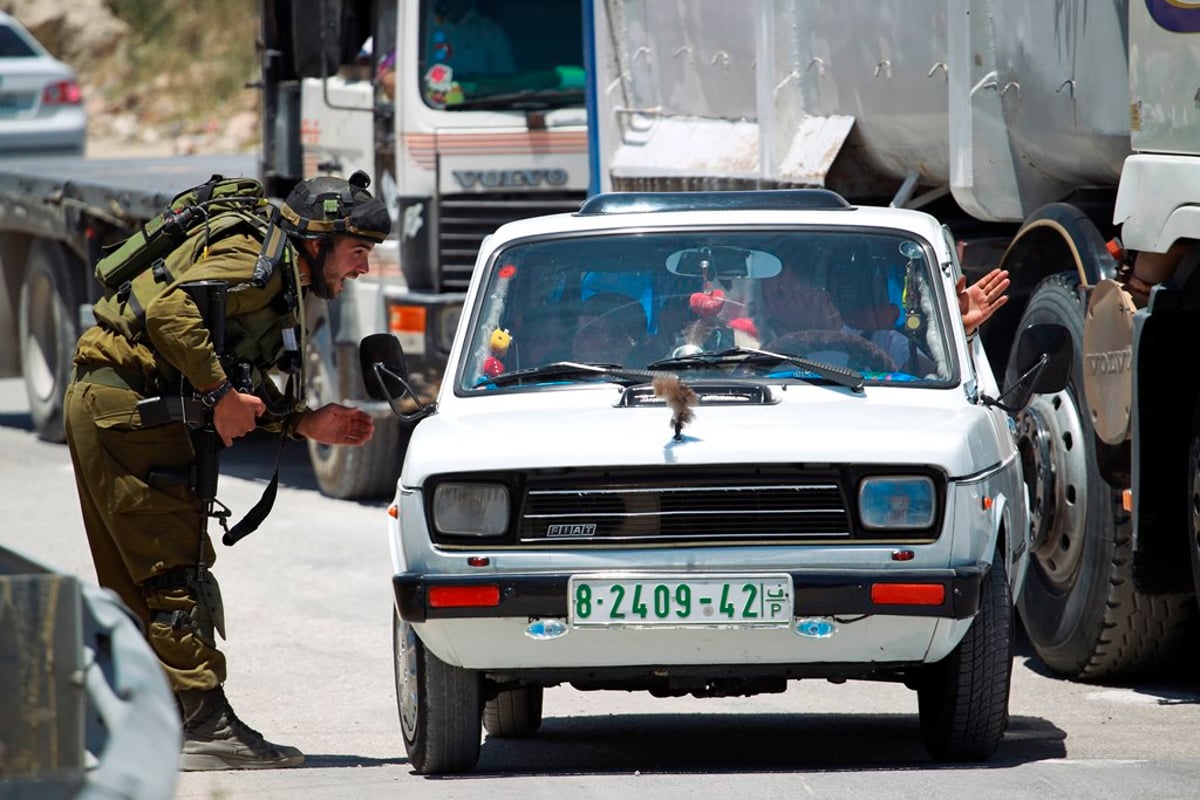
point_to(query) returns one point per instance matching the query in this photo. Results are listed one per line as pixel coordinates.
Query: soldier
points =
(147, 533)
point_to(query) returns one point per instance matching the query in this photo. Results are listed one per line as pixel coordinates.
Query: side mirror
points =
(385, 374)
(1043, 361)
(384, 371)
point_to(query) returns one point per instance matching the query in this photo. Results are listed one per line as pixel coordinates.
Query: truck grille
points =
(776, 505)
(465, 219)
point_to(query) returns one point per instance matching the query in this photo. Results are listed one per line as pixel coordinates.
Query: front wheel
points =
(441, 707)
(963, 699)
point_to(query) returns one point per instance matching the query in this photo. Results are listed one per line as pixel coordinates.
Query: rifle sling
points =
(156, 411)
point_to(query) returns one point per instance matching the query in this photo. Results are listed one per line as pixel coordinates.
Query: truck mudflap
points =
(815, 594)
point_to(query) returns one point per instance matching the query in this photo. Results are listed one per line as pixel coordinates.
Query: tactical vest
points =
(251, 338)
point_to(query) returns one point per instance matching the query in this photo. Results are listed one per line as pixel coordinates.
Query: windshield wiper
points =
(843, 376)
(537, 99)
(566, 370)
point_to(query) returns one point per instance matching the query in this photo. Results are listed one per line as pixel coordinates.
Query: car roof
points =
(615, 211)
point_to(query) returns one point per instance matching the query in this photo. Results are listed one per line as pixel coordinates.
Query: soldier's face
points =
(347, 259)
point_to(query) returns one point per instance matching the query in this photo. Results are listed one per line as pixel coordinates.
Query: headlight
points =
(896, 501)
(471, 509)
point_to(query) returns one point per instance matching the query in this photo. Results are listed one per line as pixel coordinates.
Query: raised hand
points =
(980, 300)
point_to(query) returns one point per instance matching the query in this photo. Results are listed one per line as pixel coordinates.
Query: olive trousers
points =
(143, 521)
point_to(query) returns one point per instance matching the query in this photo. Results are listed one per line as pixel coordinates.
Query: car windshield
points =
(706, 304)
(501, 54)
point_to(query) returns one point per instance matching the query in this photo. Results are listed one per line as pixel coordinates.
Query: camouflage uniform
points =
(142, 518)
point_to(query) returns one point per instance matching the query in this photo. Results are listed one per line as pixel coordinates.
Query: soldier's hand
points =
(236, 414)
(337, 424)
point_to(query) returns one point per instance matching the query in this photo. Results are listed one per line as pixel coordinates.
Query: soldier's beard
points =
(318, 281)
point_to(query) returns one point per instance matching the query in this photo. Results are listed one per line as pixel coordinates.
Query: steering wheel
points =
(863, 353)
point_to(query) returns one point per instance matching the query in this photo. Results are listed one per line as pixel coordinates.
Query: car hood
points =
(806, 425)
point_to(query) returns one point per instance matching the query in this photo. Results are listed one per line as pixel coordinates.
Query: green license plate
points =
(728, 601)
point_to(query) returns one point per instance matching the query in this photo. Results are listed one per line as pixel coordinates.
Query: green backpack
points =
(187, 213)
(140, 268)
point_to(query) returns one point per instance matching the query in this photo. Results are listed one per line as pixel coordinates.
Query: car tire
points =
(963, 699)
(440, 706)
(514, 713)
(48, 330)
(1079, 604)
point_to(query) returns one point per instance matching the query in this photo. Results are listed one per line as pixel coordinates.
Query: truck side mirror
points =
(1043, 363)
(385, 374)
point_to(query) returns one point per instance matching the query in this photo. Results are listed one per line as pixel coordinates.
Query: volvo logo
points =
(1111, 362)
(588, 529)
(510, 178)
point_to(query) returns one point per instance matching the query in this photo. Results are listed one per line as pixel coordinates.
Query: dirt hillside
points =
(159, 77)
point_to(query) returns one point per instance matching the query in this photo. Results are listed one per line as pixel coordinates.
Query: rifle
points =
(209, 297)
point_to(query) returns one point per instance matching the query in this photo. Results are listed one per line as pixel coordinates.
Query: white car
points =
(707, 443)
(41, 105)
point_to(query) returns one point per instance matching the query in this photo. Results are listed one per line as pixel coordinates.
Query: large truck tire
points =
(349, 472)
(48, 329)
(1079, 606)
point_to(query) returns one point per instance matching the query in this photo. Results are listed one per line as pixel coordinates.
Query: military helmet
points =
(327, 206)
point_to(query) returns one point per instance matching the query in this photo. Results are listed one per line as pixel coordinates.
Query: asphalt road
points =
(308, 616)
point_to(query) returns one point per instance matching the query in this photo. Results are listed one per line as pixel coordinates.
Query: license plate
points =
(729, 601)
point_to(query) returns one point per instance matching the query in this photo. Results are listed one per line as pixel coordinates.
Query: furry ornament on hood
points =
(680, 398)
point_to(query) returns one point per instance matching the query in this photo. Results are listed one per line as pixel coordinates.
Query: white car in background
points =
(668, 456)
(41, 105)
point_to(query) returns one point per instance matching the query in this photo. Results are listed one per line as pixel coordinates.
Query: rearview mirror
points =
(723, 262)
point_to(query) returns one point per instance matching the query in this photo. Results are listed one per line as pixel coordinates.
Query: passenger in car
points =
(609, 329)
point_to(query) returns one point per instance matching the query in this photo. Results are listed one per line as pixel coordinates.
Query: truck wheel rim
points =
(1050, 437)
(41, 341)
(406, 682)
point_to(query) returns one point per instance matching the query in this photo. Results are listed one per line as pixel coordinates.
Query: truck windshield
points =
(500, 54)
(708, 303)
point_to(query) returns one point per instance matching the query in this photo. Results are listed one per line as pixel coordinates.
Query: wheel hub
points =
(406, 679)
(1050, 438)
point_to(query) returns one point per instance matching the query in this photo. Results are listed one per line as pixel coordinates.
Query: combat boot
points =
(214, 738)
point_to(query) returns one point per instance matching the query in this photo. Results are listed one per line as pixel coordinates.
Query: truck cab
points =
(467, 115)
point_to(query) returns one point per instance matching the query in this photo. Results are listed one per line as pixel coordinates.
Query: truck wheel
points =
(440, 706)
(1194, 500)
(343, 471)
(48, 331)
(514, 713)
(963, 699)
(1079, 605)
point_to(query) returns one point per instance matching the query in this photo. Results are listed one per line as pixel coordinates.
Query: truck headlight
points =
(471, 509)
(896, 501)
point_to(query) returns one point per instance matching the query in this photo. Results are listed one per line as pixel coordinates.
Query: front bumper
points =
(816, 594)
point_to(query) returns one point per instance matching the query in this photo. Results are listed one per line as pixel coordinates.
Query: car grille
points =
(465, 219)
(764, 505)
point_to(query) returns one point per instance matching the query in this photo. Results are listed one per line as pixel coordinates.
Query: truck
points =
(344, 85)
(1037, 132)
